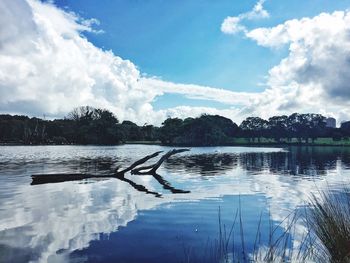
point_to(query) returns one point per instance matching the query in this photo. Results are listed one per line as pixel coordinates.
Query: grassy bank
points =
(238, 141)
(262, 141)
(292, 141)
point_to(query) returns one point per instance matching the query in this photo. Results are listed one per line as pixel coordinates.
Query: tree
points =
(254, 124)
(305, 125)
(203, 131)
(131, 131)
(94, 126)
(278, 127)
(254, 127)
(150, 133)
(171, 128)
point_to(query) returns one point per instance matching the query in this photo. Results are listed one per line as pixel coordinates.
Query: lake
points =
(175, 217)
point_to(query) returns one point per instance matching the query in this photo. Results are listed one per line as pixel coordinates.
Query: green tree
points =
(94, 126)
(254, 127)
(171, 128)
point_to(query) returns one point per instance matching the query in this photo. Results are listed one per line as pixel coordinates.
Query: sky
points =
(147, 60)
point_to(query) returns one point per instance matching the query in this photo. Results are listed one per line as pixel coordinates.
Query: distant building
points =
(345, 125)
(331, 122)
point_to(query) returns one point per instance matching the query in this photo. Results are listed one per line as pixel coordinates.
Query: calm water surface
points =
(148, 219)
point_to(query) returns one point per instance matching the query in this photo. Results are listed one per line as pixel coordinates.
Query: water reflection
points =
(304, 161)
(87, 220)
(204, 164)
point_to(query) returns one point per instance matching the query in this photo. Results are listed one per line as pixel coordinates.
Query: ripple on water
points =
(118, 220)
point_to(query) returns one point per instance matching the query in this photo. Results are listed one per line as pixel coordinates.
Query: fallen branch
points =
(137, 163)
(152, 169)
(59, 178)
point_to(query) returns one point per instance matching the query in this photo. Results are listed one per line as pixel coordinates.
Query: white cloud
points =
(48, 67)
(232, 24)
(257, 12)
(198, 92)
(314, 77)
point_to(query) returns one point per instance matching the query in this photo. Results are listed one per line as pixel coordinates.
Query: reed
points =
(326, 220)
(329, 223)
(231, 244)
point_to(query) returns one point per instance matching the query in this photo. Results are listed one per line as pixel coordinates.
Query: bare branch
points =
(59, 178)
(137, 163)
(151, 169)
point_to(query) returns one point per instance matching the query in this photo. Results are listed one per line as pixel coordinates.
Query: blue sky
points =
(178, 58)
(181, 41)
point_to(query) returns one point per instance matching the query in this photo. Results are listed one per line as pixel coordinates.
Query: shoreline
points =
(252, 144)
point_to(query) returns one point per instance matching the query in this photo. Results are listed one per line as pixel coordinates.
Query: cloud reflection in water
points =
(48, 222)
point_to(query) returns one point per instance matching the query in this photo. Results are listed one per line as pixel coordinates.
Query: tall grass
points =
(326, 235)
(329, 223)
(231, 244)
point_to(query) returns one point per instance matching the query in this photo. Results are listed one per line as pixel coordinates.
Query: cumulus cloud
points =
(232, 24)
(48, 67)
(314, 77)
(198, 92)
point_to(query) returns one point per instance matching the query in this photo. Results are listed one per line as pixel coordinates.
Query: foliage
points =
(329, 222)
(88, 125)
(94, 126)
(326, 237)
(83, 125)
(206, 130)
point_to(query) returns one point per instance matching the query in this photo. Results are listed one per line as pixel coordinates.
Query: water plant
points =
(325, 224)
(233, 246)
(329, 223)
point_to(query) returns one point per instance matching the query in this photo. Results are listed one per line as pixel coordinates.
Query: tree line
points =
(218, 130)
(83, 125)
(88, 125)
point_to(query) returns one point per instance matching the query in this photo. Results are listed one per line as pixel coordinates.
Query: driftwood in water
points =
(137, 163)
(151, 170)
(59, 178)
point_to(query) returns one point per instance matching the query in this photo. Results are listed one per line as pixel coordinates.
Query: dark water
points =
(148, 219)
